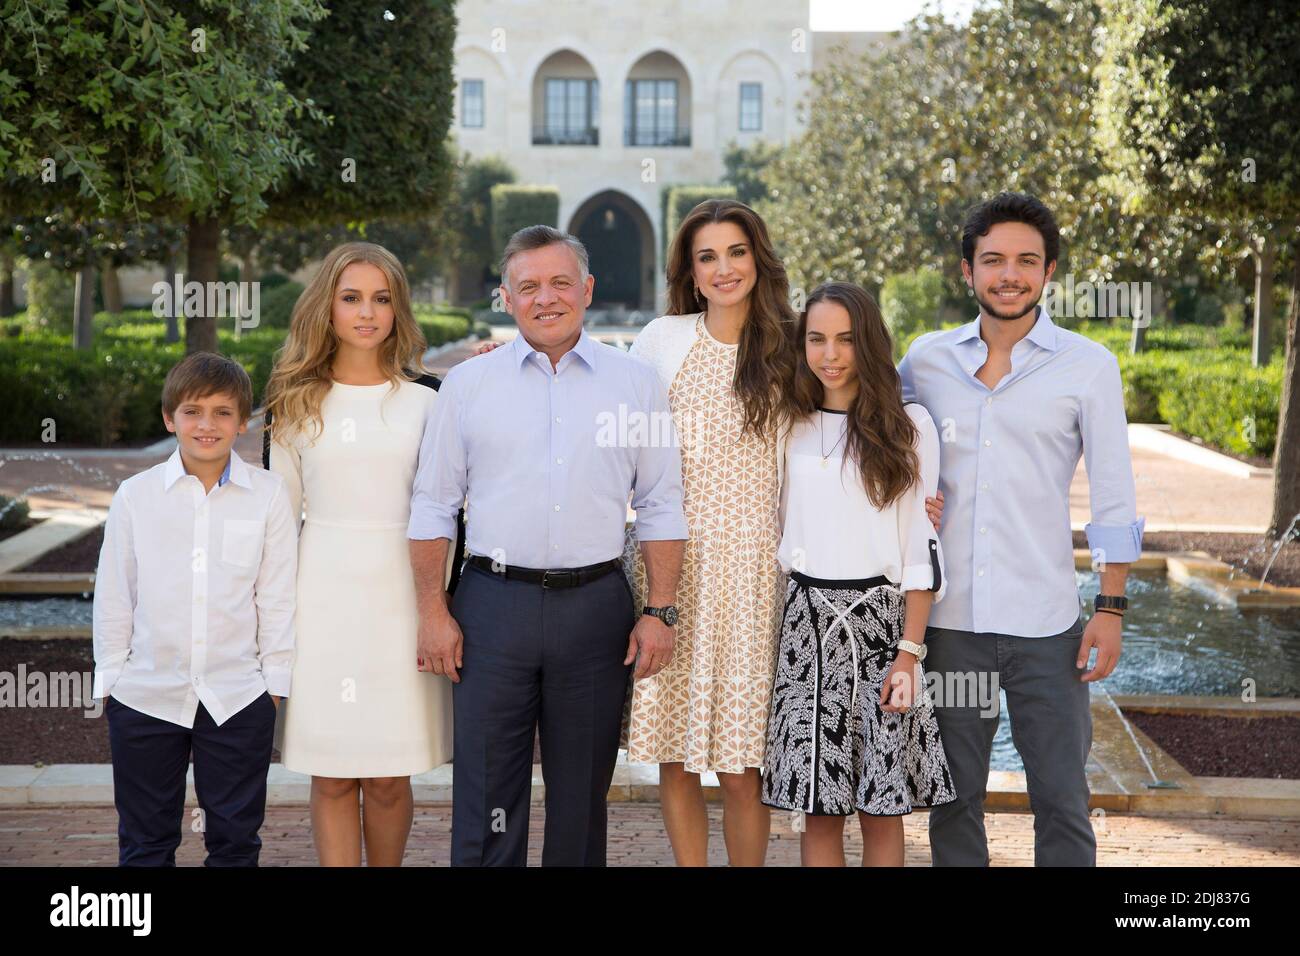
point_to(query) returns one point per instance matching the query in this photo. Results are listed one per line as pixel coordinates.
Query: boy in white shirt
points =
(194, 625)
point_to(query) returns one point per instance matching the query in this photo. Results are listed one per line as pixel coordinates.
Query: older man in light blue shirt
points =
(542, 632)
(1017, 400)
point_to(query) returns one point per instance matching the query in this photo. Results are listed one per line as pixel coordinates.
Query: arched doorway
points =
(620, 246)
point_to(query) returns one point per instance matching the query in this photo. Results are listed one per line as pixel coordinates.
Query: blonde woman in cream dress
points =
(364, 717)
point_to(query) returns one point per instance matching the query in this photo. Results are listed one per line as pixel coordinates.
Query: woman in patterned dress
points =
(851, 726)
(720, 352)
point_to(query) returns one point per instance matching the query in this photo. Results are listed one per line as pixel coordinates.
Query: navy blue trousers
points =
(150, 758)
(544, 659)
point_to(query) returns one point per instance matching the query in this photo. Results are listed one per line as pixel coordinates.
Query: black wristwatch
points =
(666, 614)
(1109, 602)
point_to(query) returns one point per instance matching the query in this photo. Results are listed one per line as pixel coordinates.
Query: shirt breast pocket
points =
(241, 542)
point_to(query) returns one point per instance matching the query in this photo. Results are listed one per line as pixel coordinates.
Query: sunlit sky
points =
(877, 15)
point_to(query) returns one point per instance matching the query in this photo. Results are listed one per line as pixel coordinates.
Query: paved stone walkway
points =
(87, 836)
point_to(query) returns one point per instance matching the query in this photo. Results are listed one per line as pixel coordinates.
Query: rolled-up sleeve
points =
(275, 594)
(657, 484)
(440, 479)
(113, 615)
(922, 553)
(1115, 532)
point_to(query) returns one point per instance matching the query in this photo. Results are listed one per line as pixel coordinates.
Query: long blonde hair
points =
(303, 370)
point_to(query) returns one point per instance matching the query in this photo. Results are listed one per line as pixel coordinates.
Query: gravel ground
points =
(1227, 746)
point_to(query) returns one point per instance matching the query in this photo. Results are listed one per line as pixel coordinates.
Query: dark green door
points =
(613, 244)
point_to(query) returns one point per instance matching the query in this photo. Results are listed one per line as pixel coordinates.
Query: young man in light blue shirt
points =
(1017, 400)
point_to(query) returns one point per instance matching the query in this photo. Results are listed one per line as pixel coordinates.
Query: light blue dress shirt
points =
(547, 458)
(1007, 457)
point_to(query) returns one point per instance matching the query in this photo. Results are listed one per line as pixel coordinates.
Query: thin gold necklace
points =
(821, 438)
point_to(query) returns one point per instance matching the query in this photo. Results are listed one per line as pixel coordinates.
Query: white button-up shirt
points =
(194, 595)
(1007, 457)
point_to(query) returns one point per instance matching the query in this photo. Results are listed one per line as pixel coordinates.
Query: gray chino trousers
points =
(1051, 726)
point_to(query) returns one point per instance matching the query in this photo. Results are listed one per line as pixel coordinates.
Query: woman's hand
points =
(486, 347)
(934, 508)
(899, 689)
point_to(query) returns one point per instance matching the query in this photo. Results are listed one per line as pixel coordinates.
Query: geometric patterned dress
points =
(709, 708)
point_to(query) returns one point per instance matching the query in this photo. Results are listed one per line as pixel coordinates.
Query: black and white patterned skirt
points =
(831, 749)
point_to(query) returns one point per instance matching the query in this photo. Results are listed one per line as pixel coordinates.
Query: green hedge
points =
(275, 307)
(515, 206)
(111, 393)
(678, 201)
(1223, 403)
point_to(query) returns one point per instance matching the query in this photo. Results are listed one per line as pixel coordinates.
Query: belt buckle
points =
(569, 576)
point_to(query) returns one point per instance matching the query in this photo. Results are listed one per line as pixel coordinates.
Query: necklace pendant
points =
(825, 463)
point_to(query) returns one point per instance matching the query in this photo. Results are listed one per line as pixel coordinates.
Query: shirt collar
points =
(584, 348)
(236, 471)
(1042, 334)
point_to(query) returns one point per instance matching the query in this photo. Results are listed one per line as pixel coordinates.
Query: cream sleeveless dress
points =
(357, 706)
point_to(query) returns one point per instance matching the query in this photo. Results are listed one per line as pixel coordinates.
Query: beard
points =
(991, 307)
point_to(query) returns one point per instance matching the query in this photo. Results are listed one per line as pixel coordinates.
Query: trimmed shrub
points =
(276, 304)
(515, 206)
(1229, 405)
(678, 201)
(14, 513)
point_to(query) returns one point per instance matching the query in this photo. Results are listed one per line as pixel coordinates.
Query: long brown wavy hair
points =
(303, 370)
(764, 359)
(881, 436)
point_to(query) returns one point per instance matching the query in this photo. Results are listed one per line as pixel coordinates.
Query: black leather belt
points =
(563, 578)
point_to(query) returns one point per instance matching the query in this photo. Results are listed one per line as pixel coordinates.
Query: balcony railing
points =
(557, 136)
(657, 137)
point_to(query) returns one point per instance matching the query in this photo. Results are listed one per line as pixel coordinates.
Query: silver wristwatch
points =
(911, 648)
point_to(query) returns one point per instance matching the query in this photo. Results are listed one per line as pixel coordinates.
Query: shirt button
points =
(555, 547)
(985, 486)
(988, 401)
(559, 461)
(980, 572)
(987, 443)
(557, 419)
(970, 368)
(557, 507)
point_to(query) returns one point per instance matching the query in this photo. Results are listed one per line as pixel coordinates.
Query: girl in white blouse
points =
(851, 727)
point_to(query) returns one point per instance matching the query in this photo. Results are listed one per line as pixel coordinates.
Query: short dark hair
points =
(1010, 207)
(535, 237)
(201, 374)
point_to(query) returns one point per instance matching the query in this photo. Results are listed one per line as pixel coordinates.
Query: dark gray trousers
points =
(544, 658)
(1051, 726)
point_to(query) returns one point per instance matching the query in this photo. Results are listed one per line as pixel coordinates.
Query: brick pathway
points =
(87, 836)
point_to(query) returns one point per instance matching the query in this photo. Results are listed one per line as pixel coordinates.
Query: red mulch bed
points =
(79, 555)
(1227, 746)
(10, 532)
(49, 735)
(1248, 551)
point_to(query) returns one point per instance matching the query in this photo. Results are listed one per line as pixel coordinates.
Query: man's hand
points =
(1105, 632)
(650, 645)
(487, 347)
(276, 700)
(440, 646)
(934, 508)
